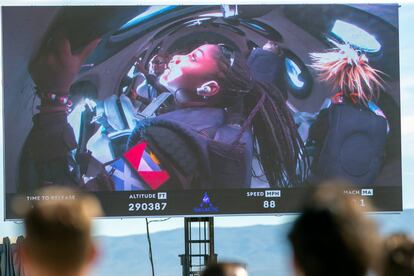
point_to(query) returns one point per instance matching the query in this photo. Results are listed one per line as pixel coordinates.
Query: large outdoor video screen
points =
(202, 110)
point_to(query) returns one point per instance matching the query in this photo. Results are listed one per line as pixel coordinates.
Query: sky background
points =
(119, 227)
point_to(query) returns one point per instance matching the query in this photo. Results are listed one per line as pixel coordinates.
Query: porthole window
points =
(294, 74)
(356, 36)
(297, 76)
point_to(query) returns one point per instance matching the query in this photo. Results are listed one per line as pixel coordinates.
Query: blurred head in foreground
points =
(398, 256)
(58, 234)
(225, 269)
(332, 236)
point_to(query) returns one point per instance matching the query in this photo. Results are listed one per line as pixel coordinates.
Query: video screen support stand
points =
(199, 245)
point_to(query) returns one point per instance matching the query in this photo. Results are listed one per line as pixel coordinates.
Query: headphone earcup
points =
(202, 91)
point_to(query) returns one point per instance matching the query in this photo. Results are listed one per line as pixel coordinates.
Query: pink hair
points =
(349, 71)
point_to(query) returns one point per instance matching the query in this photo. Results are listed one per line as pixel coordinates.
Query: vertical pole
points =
(213, 257)
(184, 258)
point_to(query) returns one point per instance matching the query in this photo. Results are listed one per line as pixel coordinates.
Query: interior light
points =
(212, 14)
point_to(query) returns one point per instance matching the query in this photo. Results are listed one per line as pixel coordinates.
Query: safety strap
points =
(247, 123)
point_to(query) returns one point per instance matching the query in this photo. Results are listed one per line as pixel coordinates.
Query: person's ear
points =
(208, 89)
(23, 255)
(93, 254)
(297, 271)
(25, 259)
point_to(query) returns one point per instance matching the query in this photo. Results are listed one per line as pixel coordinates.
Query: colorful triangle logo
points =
(145, 163)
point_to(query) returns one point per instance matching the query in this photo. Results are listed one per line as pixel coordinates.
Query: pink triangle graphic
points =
(154, 179)
(134, 155)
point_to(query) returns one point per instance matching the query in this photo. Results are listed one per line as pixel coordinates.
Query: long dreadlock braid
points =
(281, 150)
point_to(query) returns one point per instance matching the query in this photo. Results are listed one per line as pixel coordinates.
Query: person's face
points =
(157, 65)
(185, 73)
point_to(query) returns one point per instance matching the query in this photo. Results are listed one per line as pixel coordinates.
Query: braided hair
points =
(280, 149)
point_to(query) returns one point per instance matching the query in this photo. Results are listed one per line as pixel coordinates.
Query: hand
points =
(272, 46)
(102, 182)
(55, 67)
(141, 67)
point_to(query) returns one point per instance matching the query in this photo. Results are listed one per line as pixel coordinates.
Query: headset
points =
(204, 90)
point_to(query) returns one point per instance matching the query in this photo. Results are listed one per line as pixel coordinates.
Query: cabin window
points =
(355, 36)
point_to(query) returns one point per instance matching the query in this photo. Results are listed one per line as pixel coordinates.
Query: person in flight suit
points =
(224, 114)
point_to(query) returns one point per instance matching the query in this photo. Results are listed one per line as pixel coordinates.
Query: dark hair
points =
(280, 148)
(399, 256)
(214, 270)
(332, 236)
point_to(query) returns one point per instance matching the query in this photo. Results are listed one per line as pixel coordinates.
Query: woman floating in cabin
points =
(351, 133)
(223, 113)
